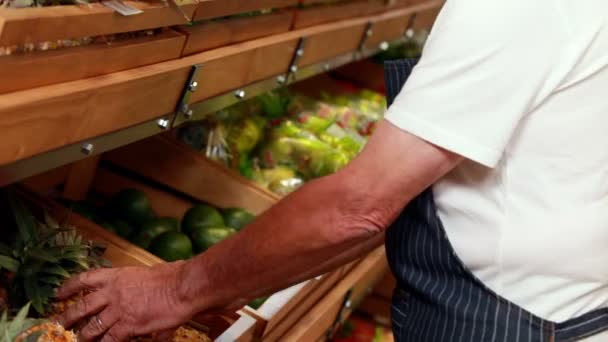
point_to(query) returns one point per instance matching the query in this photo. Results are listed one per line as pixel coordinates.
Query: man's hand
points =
(125, 302)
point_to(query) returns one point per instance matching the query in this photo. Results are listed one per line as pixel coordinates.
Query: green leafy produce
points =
(204, 238)
(201, 216)
(132, 205)
(172, 246)
(281, 180)
(237, 218)
(244, 135)
(312, 123)
(275, 104)
(153, 228)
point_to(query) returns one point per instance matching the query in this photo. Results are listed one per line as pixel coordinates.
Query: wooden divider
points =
(219, 8)
(42, 68)
(40, 24)
(326, 13)
(212, 34)
(313, 326)
(167, 162)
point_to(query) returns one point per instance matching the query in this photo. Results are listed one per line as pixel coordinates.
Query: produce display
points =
(36, 257)
(130, 215)
(280, 140)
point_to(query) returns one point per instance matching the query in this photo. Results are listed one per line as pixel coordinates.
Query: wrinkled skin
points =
(132, 301)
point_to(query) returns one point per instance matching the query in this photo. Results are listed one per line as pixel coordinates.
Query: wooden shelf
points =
(42, 68)
(213, 34)
(62, 116)
(40, 24)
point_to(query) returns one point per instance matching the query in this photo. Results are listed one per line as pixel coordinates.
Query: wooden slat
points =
(157, 159)
(38, 24)
(213, 34)
(324, 45)
(80, 178)
(426, 19)
(388, 28)
(245, 67)
(313, 326)
(278, 329)
(307, 17)
(42, 68)
(70, 112)
(219, 8)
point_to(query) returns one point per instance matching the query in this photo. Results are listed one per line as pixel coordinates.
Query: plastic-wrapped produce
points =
(281, 179)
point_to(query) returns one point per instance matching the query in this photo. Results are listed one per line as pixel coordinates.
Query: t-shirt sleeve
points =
(486, 66)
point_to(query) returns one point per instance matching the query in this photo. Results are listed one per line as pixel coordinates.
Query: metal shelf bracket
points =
(183, 110)
(347, 305)
(367, 33)
(292, 71)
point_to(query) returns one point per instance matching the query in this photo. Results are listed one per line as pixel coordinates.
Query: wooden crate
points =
(120, 253)
(325, 13)
(40, 24)
(40, 68)
(167, 162)
(212, 34)
(208, 9)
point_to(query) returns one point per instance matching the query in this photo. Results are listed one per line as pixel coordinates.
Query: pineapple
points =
(41, 256)
(23, 329)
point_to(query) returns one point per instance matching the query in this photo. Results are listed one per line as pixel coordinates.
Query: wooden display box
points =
(325, 13)
(167, 162)
(212, 34)
(208, 9)
(121, 253)
(40, 24)
(40, 68)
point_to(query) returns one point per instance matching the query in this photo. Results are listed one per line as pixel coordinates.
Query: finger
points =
(85, 307)
(118, 333)
(98, 325)
(84, 281)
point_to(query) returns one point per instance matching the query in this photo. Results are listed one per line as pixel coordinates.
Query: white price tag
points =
(121, 7)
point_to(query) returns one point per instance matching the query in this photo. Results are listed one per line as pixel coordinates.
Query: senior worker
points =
(489, 177)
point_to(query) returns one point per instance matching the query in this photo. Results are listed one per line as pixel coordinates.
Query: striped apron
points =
(437, 298)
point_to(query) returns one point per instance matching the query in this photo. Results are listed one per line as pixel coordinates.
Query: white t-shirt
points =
(520, 88)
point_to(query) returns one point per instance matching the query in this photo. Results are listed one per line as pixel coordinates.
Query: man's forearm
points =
(299, 238)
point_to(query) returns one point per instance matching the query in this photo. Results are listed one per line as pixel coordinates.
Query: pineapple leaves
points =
(26, 224)
(9, 263)
(33, 291)
(42, 255)
(58, 271)
(21, 315)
